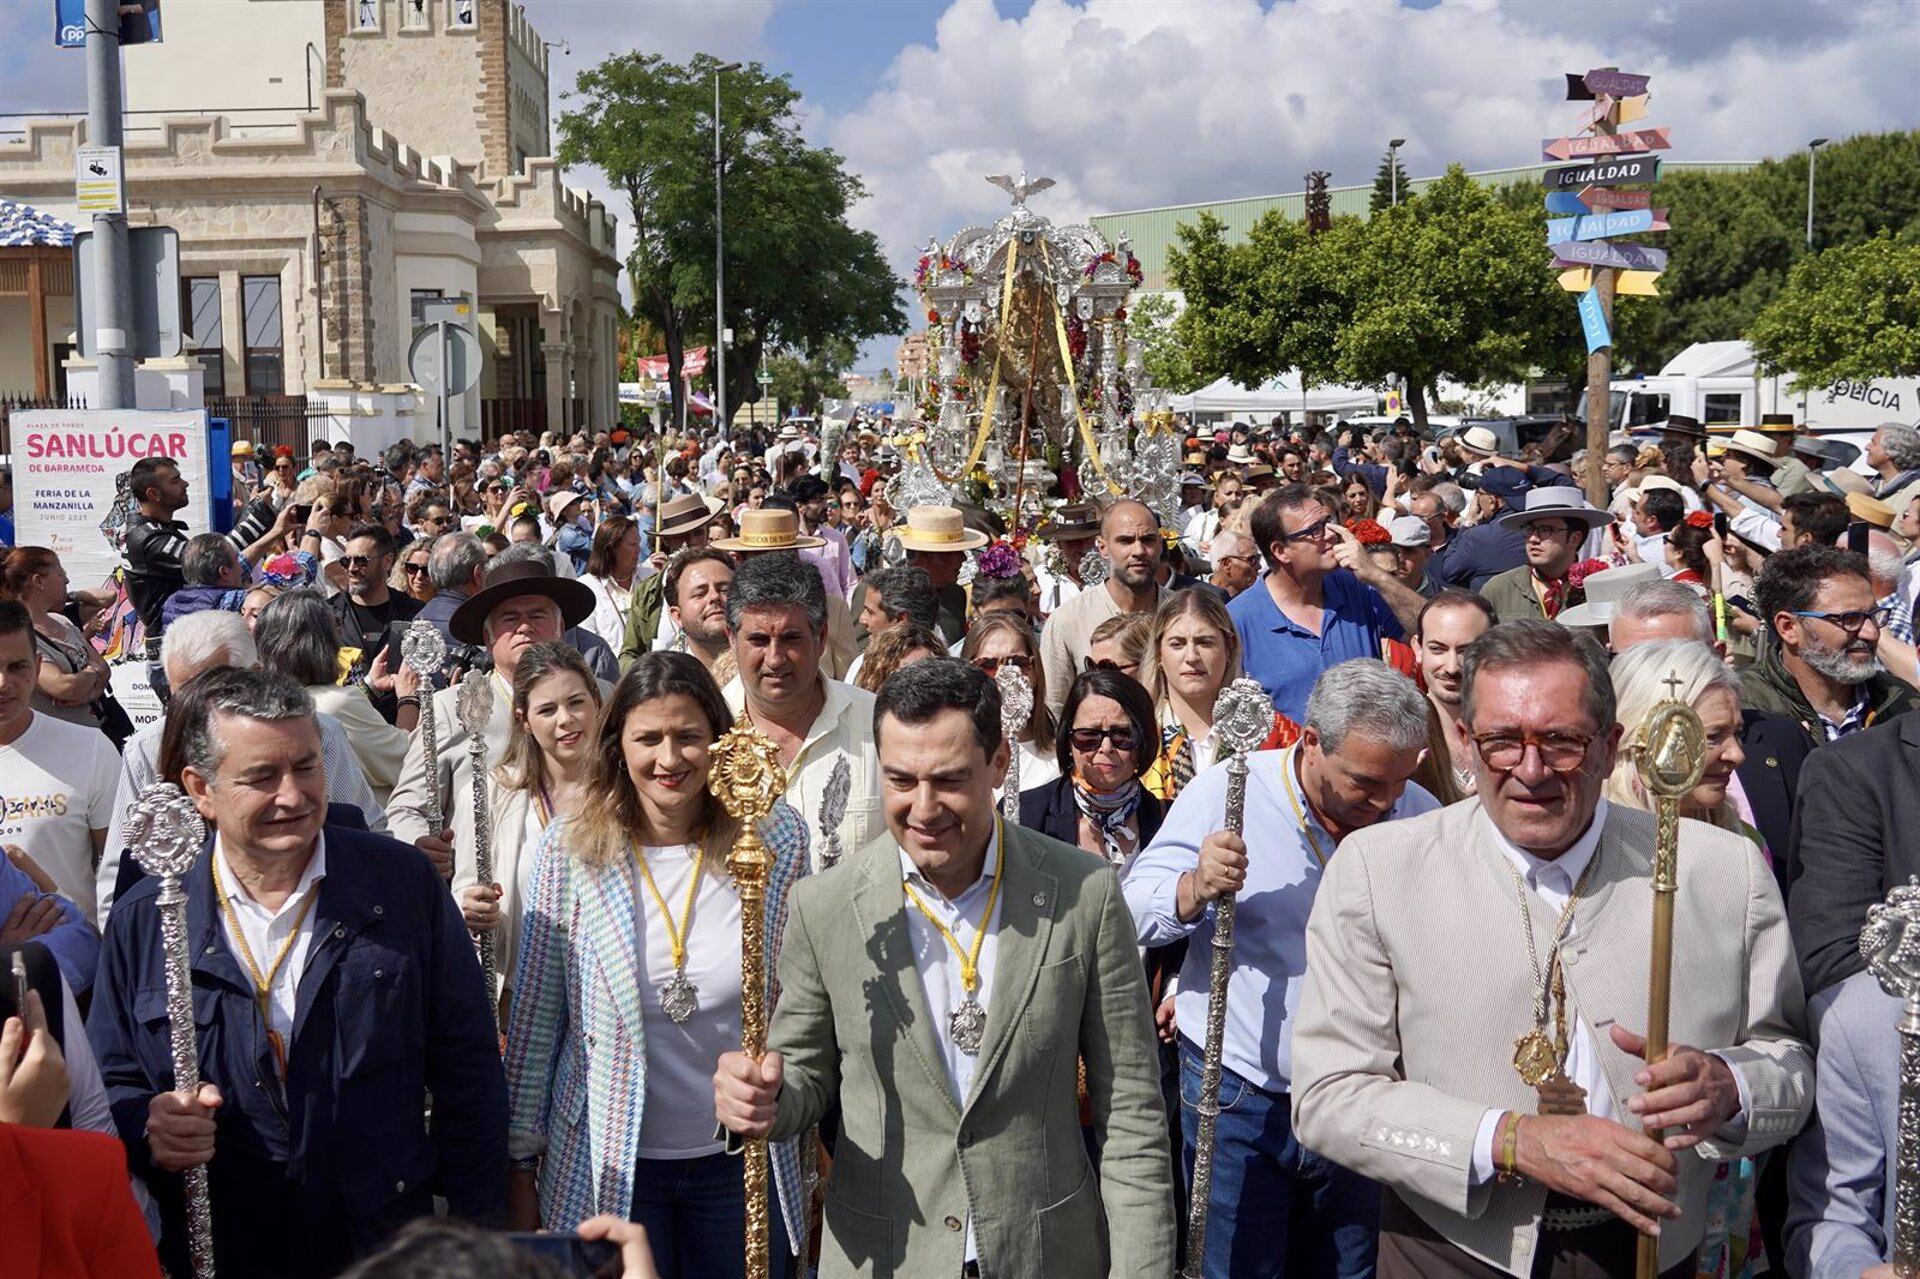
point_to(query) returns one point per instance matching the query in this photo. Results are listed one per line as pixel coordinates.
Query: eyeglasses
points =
(1546, 528)
(1248, 560)
(1089, 739)
(1854, 620)
(416, 570)
(1108, 664)
(992, 665)
(1317, 531)
(1559, 752)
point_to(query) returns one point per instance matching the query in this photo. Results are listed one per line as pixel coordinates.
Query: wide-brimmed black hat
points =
(1682, 425)
(1074, 520)
(510, 581)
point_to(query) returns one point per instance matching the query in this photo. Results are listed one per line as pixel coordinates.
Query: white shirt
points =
(57, 782)
(676, 1117)
(1551, 883)
(939, 967)
(265, 931)
(844, 726)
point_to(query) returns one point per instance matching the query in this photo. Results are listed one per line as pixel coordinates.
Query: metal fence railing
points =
(9, 404)
(272, 420)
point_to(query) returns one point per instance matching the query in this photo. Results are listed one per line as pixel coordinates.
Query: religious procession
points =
(725, 826)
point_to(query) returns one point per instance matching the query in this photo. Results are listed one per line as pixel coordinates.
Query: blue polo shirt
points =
(1287, 658)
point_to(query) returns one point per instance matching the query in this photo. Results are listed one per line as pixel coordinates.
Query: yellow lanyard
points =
(263, 986)
(1299, 814)
(969, 958)
(677, 934)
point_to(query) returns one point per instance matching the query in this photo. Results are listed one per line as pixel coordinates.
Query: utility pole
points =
(719, 264)
(111, 309)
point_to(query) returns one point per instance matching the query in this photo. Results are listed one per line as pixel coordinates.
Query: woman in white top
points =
(72, 674)
(628, 989)
(541, 779)
(298, 635)
(1193, 651)
(612, 564)
(1005, 639)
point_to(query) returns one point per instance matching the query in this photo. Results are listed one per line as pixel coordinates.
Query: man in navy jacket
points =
(312, 1117)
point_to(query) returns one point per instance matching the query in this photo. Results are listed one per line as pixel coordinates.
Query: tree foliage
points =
(798, 276)
(1151, 321)
(1851, 313)
(1453, 283)
(801, 380)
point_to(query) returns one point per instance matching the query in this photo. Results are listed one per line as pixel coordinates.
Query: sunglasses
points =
(1108, 664)
(416, 570)
(359, 561)
(992, 665)
(1089, 739)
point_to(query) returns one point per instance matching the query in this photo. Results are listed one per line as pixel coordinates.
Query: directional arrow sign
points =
(1625, 254)
(1601, 226)
(1627, 110)
(1593, 318)
(1567, 203)
(1619, 84)
(1578, 279)
(1597, 198)
(1605, 144)
(1577, 90)
(1628, 171)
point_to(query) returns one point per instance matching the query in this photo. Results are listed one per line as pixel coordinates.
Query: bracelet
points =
(524, 1165)
(411, 699)
(1508, 1164)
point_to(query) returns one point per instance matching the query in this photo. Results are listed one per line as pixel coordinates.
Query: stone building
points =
(328, 164)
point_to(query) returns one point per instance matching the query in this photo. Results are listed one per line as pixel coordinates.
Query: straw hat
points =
(1841, 482)
(1240, 455)
(686, 513)
(1753, 444)
(242, 448)
(768, 530)
(1603, 591)
(1479, 441)
(1870, 510)
(938, 528)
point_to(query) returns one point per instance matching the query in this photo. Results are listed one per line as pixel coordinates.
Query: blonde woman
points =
(628, 989)
(1192, 652)
(541, 779)
(1707, 684)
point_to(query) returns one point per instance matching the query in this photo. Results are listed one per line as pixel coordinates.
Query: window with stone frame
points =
(260, 320)
(415, 15)
(460, 13)
(366, 15)
(200, 308)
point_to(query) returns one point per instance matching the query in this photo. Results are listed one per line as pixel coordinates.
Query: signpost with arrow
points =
(1589, 209)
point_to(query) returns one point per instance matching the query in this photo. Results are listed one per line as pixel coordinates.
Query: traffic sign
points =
(1605, 144)
(1601, 226)
(461, 356)
(1625, 254)
(1626, 171)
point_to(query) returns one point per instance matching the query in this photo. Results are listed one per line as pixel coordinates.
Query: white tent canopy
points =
(1282, 394)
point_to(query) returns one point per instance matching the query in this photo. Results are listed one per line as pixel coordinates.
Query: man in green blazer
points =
(944, 984)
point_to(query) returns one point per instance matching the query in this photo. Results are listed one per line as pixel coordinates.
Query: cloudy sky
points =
(1135, 103)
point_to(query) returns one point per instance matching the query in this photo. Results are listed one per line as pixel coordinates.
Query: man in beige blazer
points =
(942, 985)
(1421, 984)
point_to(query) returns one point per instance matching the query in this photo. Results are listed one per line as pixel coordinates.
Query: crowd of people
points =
(988, 1011)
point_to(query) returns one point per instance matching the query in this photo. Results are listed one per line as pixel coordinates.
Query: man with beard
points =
(1451, 620)
(1130, 543)
(1821, 667)
(371, 615)
(696, 593)
(683, 526)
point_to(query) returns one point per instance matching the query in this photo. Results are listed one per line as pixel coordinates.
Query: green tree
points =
(797, 274)
(1151, 321)
(802, 379)
(1454, 283)
(1850, 313)
(1390, 172)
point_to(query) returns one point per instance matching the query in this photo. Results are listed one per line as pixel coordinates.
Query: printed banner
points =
(693, 363)
(66, 468)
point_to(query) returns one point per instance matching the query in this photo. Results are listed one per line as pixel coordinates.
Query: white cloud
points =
(1134, 105)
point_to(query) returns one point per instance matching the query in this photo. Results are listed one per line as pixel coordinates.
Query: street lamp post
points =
(719, 264)
(1813, 157)
(1393, 166)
